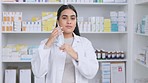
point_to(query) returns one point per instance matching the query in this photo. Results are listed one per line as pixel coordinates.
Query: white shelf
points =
(119, 60)
(23, 32)
(106, 32)
(32, 3)
(115, 60)
(114, 4)
(141, 34)
(60, 3)
(141, 63)
(16, 60)
(80, 32)
(140, 2)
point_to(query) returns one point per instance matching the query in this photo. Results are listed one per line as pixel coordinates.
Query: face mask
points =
(60, 38)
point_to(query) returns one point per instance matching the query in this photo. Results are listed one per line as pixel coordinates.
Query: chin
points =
(68, 32)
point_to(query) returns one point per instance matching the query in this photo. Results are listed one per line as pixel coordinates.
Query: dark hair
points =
(63, 7)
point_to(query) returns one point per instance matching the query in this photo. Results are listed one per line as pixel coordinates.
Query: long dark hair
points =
(63, 7)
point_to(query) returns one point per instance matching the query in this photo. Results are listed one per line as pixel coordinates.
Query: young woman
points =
(72, 62)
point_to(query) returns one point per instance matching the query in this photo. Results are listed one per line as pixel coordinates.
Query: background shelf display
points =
(100, 40)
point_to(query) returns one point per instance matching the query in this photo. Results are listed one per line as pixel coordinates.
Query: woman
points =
(72, 62)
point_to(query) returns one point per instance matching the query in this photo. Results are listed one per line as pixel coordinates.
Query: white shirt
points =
(50, 62)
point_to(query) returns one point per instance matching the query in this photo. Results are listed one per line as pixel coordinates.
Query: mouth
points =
(68, 27)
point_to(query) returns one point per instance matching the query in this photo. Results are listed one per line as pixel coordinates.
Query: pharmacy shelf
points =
(80, 32)
(16, 60)
(119, 60)
(32, 3)
(142, 2)
(114, 4)
(141, 63)
(141, 34)
(60, 3)
(115, 60)
(23, 32)
(105, 32)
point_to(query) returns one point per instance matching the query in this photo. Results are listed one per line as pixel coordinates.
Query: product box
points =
(25, 76)
(48, 21)
(106, 74)
(118, 72)
(10, 76)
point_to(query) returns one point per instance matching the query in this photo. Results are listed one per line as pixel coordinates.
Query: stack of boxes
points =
(142, 27)
(121, 21)
(100, 21)
(113, 72)
(106, 74)
(12, 21)
(113, 1)
(114, 21)
(48, 20)
(11, 75)
(142, 56)
(118, 21)
(92, 24)
(32, 0)
(107, 25)
(18, 52)
(31, 26)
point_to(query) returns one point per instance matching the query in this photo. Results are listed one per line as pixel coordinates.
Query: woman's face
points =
(67, 21)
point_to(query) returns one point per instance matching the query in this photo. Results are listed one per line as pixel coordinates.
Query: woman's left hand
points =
(68, 48)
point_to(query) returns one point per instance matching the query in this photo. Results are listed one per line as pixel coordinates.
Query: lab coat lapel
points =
(76, 41)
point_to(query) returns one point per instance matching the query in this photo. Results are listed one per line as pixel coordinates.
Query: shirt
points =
(68, 75)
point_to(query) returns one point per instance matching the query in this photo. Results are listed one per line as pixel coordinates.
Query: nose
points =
(69, 21)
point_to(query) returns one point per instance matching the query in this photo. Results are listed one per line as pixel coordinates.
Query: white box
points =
(118, 72)
(10, 76)
(25, 76)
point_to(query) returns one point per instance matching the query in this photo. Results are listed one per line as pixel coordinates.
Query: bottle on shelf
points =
(122, 55)
(109, 54)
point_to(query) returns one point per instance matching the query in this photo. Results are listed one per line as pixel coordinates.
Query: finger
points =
(54, 31)
(61, 48)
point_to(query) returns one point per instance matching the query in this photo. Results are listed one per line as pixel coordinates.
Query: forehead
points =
(68, 12)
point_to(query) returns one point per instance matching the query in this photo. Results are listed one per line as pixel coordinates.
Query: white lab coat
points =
(51, 61)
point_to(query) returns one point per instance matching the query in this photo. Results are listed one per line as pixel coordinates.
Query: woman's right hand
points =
(52, 37)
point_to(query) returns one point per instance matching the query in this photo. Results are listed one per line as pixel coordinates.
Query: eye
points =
(63, 17)
(73, 18)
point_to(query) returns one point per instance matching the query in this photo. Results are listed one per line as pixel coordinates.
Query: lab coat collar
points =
(76, 40)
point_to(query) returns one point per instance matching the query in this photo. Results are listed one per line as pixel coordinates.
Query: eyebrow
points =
(70, 15)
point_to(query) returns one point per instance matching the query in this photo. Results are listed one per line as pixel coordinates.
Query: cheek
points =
(62, 24)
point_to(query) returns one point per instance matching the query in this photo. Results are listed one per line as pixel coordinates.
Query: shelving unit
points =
(139, 39)
(120, 60)
(111, 41)
(142, 2)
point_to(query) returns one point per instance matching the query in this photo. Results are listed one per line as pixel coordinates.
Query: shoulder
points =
(44, 41)
(83, 39)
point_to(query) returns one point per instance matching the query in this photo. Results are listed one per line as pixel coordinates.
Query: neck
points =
(70, 35)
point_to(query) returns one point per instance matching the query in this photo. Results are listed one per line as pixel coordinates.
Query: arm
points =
(87, 63)
(40, 60)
